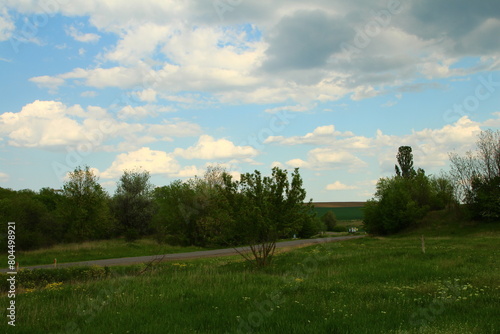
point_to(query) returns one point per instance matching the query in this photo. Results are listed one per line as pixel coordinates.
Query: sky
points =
(329, 86)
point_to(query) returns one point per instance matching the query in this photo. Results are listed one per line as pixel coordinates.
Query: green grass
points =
(349, 213)
(369, 285)
(96, 250)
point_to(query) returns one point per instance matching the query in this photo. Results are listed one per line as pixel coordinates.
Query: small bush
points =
(339, 229)
(330, 220)
(311, 227)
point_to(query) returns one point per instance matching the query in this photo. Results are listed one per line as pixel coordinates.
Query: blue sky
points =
(331, 87)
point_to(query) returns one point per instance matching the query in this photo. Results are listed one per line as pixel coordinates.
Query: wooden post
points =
(423, 244)
(55, 263)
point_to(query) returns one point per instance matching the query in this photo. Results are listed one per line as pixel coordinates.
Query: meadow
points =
(368, 285)
(96, 250)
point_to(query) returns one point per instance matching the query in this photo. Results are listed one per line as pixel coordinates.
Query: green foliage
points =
(476, 176)
(85, 207)
(176, 216)
(330, 220)
(400, 201)
(133, 204)
(394, 209)
(405, 161)
(311, 227)
(196, 212)
(485, 199)
(216, 210)
(36, 224)
(270, 207)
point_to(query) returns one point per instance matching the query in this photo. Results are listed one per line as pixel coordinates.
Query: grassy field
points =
(96, 250)
(368, 285)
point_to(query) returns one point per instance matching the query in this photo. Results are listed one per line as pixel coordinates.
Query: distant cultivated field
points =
(339, 204)
(342, 210)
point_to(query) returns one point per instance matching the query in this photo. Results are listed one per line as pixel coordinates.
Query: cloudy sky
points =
(330, 86)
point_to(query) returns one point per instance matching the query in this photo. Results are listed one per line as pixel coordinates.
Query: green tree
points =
(401, 200)
(272, 207)
(330, 220)
(198, 211)
(34, 222)
(85, 207)
(405, 161)
(393, 208)
(476, 176)
(133, 204)
(174, 221)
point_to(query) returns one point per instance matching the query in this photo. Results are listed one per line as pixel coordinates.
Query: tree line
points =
(212, 210)
(402, 200)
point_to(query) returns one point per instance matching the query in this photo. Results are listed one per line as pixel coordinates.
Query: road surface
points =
(183, 256)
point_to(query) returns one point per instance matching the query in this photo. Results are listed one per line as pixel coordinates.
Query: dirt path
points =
(183, 256)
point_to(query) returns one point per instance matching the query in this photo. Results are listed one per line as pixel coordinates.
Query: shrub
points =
(330, 220)
(395, 210)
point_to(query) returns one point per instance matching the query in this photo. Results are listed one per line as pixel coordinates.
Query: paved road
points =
(191, 255)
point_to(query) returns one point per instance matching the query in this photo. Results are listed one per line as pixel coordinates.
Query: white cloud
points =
(337, 185)
(147, 95)
(138, 42)
(45, 81)
(296, 108)
(133, 112)
(4, 177)
(320, 136)
(493, 122)
(189, 171)
(81, 37)
(190, 49)
(208, 148)
(277, 164)
(42, 124)
(430, 146)
(328, 159)
(6, 25)
(53, 125)
(155, 162)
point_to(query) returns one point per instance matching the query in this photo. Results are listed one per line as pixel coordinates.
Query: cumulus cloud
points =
(155, 162)
(82, 37)
(147, 95)
(337, 185)
(430, 146)
(42, 124)
(280, 51)
(320, 136)
(324, 158)
(53, 125)
(305, 39)
(45, 81)
(208, 148)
